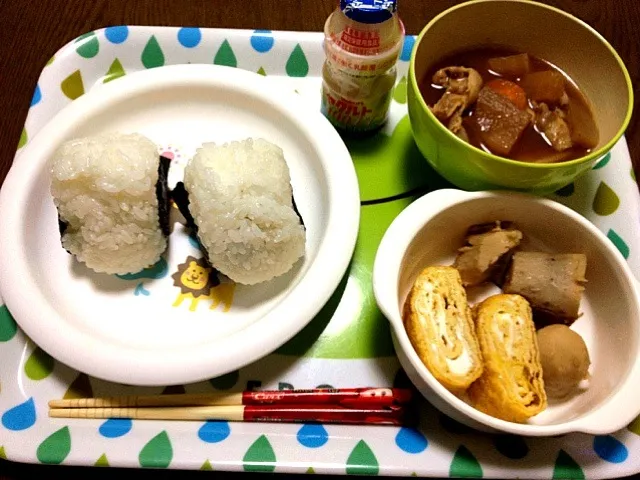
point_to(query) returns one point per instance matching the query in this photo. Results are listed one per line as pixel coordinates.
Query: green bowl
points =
(540, 30)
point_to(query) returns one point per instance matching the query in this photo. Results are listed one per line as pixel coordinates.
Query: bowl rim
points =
(133, 365)
(507, 161)
(389, 257)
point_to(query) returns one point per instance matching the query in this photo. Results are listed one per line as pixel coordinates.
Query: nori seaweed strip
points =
(162, 193)
(295, 209)
(62, 226)
(181, 197)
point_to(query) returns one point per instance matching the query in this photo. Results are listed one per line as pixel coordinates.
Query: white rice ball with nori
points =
(241, 200)
(106, 189)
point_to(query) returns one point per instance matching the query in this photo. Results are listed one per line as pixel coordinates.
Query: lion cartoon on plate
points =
(196, 281)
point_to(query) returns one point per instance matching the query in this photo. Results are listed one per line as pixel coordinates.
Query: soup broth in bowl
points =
(511, 104)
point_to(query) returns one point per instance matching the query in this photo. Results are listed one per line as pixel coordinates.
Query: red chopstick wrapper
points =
(393, 415)
(347, 397)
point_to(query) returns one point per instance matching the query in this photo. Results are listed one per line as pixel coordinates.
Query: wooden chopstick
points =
(224, 412)
(397, 415)
(351, 397)
(169, 400)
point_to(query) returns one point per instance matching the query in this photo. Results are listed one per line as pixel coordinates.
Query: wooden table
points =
(33, 30)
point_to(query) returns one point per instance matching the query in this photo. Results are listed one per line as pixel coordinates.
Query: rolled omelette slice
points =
(511, 386)
(440, 326)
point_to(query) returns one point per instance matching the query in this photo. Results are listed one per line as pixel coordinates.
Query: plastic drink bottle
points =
(363, 39)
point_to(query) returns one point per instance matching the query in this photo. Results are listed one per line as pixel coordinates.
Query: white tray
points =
(348, 344)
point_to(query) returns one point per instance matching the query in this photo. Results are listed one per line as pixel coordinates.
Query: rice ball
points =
(111, 195)
(241, 201)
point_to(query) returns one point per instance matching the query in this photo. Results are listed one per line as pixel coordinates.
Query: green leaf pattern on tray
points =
(225, 56)
(157, 453)
(23, 138)
(465, 465)
(297, 65)
(362, 460)
(152, 55)
(603, 162)
(55, 448)
(635, 426)
(606, 200)
(39, 365)
(260, 456)
(566, 467)
(8, 326)
(79, 388)
(330, 349)
(73, 86)
(400, 91)
(619, 243)
(115, 71)
(88, 45)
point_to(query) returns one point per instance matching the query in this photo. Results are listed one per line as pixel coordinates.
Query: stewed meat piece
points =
(486, 252)
(462, 87)
(554, 126)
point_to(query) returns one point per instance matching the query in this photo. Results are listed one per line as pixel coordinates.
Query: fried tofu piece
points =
(439, 324)
(511, 386)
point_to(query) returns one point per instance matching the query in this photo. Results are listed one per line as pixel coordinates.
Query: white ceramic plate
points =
(128, 330)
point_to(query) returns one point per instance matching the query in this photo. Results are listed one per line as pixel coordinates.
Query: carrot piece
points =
(511, 90)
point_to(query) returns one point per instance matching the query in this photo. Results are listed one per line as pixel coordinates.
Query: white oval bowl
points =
(96, 325)
(429, 231)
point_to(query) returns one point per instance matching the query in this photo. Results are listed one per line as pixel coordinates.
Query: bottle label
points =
(355, 115)
(358, 41)
(362, 66)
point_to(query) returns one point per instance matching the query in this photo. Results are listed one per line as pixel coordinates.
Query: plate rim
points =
(113, 362)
